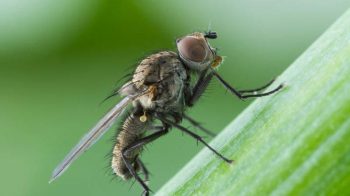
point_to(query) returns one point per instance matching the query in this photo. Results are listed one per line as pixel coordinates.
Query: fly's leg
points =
(254, 91)
(205, 78)
(199, 88)
(197, 137)
(198, 125)
(240, 94)
(144, 170)
(138, 144)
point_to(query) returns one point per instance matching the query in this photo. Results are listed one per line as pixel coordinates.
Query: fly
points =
(162, 87)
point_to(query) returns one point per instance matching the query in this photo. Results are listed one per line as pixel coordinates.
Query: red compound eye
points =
(192, 49)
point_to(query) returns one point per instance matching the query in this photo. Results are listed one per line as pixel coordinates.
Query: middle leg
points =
(197, 137)
(198, 125)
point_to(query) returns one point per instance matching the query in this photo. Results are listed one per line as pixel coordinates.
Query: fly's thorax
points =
(154, 68)
(165, 73)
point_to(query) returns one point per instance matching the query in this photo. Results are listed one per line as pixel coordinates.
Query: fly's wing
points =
(92, 136)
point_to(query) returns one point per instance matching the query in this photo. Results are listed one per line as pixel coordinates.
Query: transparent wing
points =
(92, 136)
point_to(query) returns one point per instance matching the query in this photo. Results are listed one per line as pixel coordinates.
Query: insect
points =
(162, 87)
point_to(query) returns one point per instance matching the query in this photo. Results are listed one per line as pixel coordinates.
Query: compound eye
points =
(192, 49)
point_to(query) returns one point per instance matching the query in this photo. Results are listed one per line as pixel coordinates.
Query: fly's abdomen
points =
(131, 131)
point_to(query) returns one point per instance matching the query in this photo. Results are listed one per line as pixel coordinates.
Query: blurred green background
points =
(60, 59)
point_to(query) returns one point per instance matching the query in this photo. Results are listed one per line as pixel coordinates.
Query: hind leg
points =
(143, 169)
(136, 145)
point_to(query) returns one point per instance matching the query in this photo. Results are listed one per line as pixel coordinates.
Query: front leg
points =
(241, 94)
(199, 88)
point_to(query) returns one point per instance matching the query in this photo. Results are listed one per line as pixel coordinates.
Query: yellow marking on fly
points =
(143, 118)
(217, 61)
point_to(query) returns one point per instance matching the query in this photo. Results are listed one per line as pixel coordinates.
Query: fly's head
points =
(195, 50)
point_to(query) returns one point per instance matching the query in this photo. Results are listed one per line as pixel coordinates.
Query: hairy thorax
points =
(165, 76)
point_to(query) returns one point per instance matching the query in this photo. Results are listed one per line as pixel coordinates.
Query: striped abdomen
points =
(131, 131)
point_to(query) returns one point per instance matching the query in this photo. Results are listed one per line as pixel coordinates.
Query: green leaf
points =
(295, 142)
